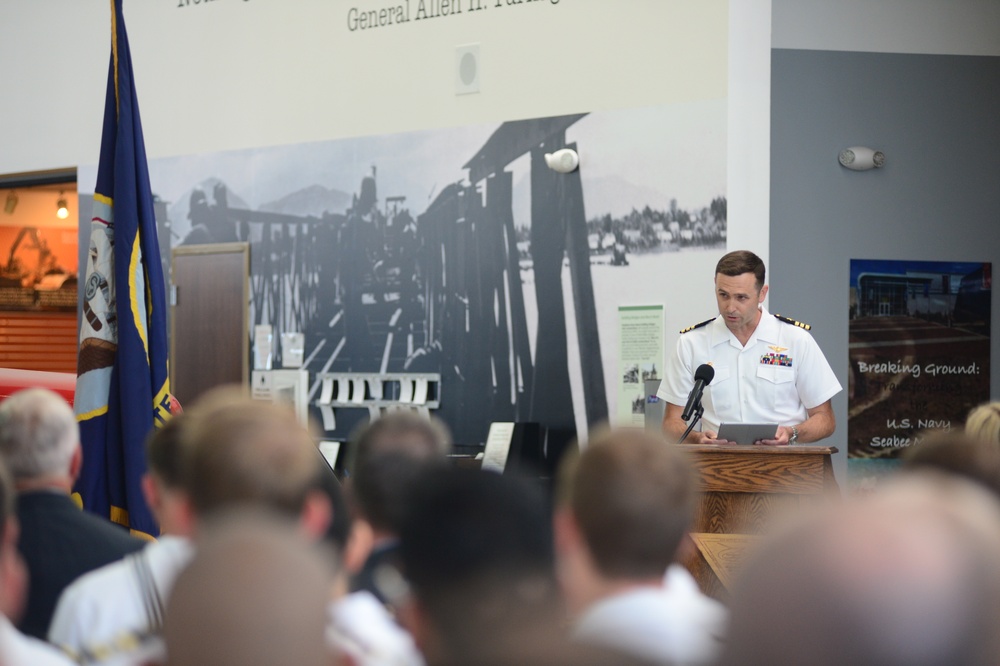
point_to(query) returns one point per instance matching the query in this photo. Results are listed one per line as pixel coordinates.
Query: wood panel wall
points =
(38, 341)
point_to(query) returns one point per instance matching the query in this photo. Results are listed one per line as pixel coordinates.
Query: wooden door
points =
(209, 329)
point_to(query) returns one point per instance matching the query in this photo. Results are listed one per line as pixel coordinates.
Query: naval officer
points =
(768, 368)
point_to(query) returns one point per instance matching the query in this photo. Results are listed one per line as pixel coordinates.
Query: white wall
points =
(816, 204)
(228, 74)
(956, 27)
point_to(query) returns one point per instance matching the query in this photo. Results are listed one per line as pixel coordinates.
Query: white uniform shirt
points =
(17, 649)
(673, 624)
(359, 627)
(775, 378)
(103, 616)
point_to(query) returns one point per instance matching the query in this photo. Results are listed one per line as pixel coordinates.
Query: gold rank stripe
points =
(793, 322)
(704, 323)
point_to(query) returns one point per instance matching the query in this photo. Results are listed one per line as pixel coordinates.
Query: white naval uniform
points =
(673, 624)
(17, 649)
(779, 375)
(104, 616)
(360, 629)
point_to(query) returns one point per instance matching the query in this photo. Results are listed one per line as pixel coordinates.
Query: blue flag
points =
(123, 387)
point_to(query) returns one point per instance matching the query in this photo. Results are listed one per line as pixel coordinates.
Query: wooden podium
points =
(743, 488)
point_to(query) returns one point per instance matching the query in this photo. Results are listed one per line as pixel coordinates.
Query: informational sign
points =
(640, 359)
(919, 356)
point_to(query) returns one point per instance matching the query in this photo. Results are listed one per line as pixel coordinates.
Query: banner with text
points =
(640, 359)
(919, 356)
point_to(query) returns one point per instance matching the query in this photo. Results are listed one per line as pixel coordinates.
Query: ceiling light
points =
(62, 212)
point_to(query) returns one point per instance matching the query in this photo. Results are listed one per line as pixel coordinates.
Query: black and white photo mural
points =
(460, 252)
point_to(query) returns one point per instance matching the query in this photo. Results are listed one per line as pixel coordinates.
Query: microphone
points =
(702, 378)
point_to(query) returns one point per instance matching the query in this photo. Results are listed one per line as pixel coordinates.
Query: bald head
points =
(911, 576)
(255, 594)
(38, 434)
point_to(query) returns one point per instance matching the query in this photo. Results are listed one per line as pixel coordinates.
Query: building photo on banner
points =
(461, 252)
(919, 357)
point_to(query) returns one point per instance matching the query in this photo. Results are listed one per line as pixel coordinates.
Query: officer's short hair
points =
(740, 262)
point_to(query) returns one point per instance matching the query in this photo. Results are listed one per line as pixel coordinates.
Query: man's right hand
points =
(709, 438)
(674, 426)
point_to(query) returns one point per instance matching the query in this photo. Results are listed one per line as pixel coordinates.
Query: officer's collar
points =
(767, 329)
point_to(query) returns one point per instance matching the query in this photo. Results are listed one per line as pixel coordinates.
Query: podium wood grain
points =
(743, 489)
(724, 553)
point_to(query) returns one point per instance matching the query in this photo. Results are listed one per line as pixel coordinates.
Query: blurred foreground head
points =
(956, 452)
(240, 452)
(631, 498)
(384, 458)
(477, 551)
(39, 437)
(910, 576)
(983, 423)
(255, 594)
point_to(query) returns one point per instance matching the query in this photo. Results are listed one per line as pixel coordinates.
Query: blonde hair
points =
(983, 423)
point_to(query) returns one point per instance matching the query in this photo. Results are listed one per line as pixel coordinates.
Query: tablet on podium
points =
(747, 433)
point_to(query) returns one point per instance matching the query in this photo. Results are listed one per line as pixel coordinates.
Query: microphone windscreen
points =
(705, 373)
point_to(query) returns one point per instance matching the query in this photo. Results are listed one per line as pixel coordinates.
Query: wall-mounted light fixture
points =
(11, 203)
(860, 158)
(563, 161)
(62, 211)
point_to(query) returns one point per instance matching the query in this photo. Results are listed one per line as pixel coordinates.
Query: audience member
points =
(40, 441)
(625, 505)
(360, 630)
(234, 452)
(253, 595)
(15, 647)
(983, 423)
(383, 459)
(957, 453)
(114, 613)
(476, 549)
(910, 576)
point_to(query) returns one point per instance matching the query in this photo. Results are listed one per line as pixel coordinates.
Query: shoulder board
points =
(789, 320)
(704, 323)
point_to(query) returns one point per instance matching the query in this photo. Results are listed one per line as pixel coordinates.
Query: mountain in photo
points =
(313, 200)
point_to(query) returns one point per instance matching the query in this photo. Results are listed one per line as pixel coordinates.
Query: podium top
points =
(760, 449)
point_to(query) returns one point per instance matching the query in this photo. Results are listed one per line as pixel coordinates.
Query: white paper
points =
(326, 393)
(338, 391)
(329, 420)
(261, 385)
(330, 450)
(420, 392)
(357, 391)
(375, 387)
(406, 390)
(262, 343)
(424, 412)
(497, 446)
(373, 413)
(292, 349)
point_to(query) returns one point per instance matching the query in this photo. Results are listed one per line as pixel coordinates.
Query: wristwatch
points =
(795, 435)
